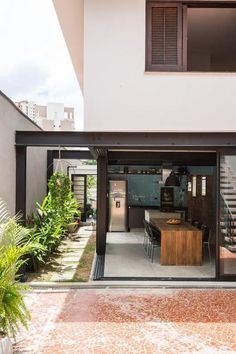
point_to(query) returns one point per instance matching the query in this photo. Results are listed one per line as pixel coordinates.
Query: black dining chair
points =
(154, 240)
(206, 239)
(146, 235)
(196, 223)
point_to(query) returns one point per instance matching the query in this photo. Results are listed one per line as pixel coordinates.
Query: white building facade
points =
(120, 93)
(53, 116)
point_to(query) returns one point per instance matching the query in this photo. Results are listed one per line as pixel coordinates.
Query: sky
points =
(35, 64)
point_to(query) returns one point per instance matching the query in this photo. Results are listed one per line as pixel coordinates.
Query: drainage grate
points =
(99, 267)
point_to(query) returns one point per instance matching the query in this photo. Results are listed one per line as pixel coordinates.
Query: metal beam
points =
(94, 153)
(73, 154)
(98, 152)
(21, 181)
(129, 140)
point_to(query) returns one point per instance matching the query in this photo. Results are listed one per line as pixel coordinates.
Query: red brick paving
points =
(130, 321)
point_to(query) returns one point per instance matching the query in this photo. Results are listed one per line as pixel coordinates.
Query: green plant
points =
(89, 162)
(52, 219)
(14, 246)
(62, 199)
(91, 182)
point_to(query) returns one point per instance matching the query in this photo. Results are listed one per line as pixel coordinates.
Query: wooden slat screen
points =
(164, 36)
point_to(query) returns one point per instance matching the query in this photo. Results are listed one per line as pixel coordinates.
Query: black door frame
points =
(221, 277)
(213, 160)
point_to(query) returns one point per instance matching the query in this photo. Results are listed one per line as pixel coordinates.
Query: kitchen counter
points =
(136, 214)
(153, 213)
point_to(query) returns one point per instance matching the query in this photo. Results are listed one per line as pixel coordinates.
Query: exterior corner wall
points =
(70, 14)
(36, 177)
(11, 120)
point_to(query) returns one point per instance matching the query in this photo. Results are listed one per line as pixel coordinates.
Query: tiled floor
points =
(125, 257)
(130, 321)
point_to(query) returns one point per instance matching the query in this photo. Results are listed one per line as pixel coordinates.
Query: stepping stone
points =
(5, 346)
(75, 258)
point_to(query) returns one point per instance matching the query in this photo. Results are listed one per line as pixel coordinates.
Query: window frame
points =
(162, 67)
(182, 29)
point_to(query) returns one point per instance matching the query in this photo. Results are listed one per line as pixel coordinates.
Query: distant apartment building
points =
(54, 116)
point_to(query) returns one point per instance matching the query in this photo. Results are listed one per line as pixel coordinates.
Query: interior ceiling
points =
(212, 29)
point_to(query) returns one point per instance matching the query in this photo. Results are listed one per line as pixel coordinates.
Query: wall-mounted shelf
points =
(134, 174)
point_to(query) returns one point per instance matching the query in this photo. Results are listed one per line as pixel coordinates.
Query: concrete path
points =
(63, 265)
(127, 321)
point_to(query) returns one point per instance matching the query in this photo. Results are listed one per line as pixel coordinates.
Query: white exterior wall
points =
(47, 124)
(67, 125)
(119, 95)
(70, 14)
(55, 112)
(36, 177)
(12, 120)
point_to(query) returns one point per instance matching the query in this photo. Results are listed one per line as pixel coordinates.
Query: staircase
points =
(228, 205)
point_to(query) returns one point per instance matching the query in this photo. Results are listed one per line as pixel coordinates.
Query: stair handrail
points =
(230, 173)
(229, 214)
(227, 205)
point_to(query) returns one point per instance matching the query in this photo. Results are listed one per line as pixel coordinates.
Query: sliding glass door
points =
(227, 216)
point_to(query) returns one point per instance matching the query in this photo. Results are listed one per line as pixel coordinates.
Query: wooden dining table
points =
(180, 244)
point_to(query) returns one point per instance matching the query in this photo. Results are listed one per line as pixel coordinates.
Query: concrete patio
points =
(130, 321)
(125, 257)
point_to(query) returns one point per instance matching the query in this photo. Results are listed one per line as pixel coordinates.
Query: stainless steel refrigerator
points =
(118, 206)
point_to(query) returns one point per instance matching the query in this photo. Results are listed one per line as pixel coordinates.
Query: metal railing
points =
(228, 220)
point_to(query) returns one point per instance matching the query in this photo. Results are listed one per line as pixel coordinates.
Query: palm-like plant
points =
(14, 245)
(52, 218)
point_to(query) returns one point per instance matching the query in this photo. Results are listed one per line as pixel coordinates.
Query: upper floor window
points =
(191, 36)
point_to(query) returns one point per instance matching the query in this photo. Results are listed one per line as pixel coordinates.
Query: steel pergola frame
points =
(100, 143)
(128, 140)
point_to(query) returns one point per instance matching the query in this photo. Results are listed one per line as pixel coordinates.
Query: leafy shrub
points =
(52, 218)
(14, 245)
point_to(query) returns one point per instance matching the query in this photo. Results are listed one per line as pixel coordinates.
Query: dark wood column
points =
(50, 156)
(101, 205)
(21, 152)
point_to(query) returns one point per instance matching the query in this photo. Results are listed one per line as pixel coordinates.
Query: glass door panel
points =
(227, 237)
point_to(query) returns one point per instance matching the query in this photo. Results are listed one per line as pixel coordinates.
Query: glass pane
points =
(194, 189)
(228, 215)
(79, 190)
(204, 186)
(189, 186)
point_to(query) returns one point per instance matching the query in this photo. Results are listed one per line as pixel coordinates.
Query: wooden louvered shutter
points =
(164, 37)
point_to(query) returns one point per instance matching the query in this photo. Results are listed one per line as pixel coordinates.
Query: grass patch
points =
(83, 270)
